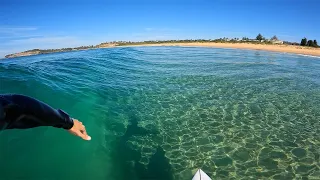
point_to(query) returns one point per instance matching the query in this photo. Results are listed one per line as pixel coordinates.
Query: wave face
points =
(161, 112)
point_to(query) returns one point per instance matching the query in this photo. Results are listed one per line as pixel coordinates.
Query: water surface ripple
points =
(162, 112)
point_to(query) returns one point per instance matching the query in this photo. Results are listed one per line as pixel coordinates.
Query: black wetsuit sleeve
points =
(21, 112)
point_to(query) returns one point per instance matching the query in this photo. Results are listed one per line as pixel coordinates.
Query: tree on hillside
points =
(303, 42)
(310, 43)
(259, 37)
(274, 38)
(315, 43)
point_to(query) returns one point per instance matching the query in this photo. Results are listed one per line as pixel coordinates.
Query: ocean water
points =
(159, 113)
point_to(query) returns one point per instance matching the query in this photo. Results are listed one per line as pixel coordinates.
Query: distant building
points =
(253, 40)
(276, 42)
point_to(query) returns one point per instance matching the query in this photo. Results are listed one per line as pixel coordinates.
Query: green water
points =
(162, 112)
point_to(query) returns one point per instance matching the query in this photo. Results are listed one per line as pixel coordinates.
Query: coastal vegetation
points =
(274, 38)
(311, 43)
(260, 39)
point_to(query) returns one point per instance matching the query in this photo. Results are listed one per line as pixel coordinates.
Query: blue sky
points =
(29, 24)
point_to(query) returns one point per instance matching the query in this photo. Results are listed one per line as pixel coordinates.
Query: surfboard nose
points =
(200, 175)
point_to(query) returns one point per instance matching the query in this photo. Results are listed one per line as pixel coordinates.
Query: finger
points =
(80, 134)
(84, 132)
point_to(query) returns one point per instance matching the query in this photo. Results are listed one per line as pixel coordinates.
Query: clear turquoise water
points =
(162, 112)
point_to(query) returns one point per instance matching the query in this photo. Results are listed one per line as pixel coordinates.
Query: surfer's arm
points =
(22, 112)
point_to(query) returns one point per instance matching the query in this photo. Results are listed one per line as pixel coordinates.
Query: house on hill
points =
(275, 40)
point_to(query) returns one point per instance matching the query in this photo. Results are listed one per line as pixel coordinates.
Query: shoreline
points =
(292, 49)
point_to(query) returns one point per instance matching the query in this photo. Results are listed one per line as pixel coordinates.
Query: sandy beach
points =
(303, 50)
(266, 47)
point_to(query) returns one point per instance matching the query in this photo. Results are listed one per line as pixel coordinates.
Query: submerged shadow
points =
(126, 160)
(158, 167)
(134, 129)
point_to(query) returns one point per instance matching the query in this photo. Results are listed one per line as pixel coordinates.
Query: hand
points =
(78, 129)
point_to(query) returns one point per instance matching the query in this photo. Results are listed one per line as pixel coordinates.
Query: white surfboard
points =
(200, 175)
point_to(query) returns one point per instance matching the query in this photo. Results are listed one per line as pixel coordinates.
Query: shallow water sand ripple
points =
(236, 114)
